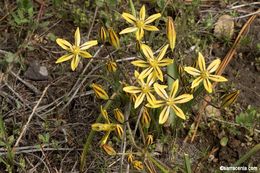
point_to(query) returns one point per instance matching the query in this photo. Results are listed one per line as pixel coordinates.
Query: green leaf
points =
(187, 163)
(99, 3)
(10, 57)
(224, 141)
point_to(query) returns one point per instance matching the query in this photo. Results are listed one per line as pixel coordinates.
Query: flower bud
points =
(119, 131)
(103, 34)
(138, 165)
(119, 115)
(109, 150)
(104, 114)
(113, 38)
(130, 158)
(99, 91)
(149, 140)
(111, 66)
(145, 118)
(229, 99)
(171, 34)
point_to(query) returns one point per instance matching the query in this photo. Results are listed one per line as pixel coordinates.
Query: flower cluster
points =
(148, 91)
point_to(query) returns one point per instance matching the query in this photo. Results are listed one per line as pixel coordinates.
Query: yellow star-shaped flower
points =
(140, 24)
(153, 64)
(75, 51)
(169, 101)
(145, 89)
(204, 75)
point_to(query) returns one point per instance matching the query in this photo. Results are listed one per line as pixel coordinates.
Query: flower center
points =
(205, 74)
(146, 88)
(75, 50)
(153, 62)
(170, 101)
(139, 23)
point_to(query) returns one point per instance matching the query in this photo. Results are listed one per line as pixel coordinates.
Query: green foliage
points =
(24, 13)
(6, 142)
(248, 118)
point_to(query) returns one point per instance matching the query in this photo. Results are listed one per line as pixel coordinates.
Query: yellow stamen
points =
(139, 23)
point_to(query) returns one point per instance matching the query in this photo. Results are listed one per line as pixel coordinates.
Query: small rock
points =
(224, 27)
(211, 111)
(36, 72)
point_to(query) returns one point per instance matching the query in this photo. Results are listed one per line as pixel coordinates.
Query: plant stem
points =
(254, 150)
(87, 145)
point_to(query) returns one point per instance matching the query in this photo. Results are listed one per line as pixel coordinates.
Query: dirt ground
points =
(66, 125)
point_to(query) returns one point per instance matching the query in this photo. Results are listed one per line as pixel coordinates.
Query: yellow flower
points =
(204, 74)
(140, 24)
(169, 101)
(152, 64)
(75, 51)
(99, 91)
(171, 34)
(144, 89)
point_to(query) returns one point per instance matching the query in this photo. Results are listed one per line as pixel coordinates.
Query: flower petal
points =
(129, 18)
(158, 73)
(88, 44)
(156, 104)
(77, 37)
(178, 112)
(151, 18)
(139, 100)
(214, 65)
(150, 79)
(140, 63)
(85, 54)
(165, 62)
(217, 78)
(132, 89)
(150, 28)
(207, 85)
(192, 71)
(142, 13)
(148, 53)
(201, 61)
(75, 62)
(196, 82)
(127, 30)
(64, 44)
(145, 73)
(164, 115)
(160, 90)
(64, 58)
(183, 98)
(139, 34)
(174, 89)
(162, 52)
(150, 98)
